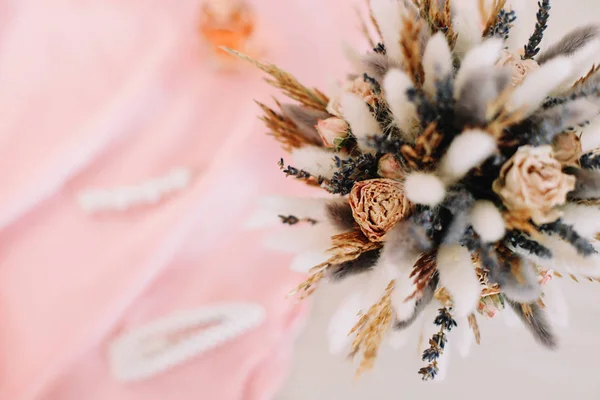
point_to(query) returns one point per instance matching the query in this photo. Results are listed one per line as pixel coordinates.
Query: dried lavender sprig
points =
(583, 93)
(293, 220)
(380, 48)
(543, 14)
(504, 22)
(568, 234)
(518, 239)
(350, 171)
(437, 343)
(373, 82)
(387, 144)
(298, 173)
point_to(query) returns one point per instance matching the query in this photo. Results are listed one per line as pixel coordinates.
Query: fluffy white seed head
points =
(388, 14)
(427, 189)
(395, 86)
(520, 32)
(467, 150)
(376, 281)
(583, 60)
(357, 114)
(314, 160)
(483, 56)
(467, 24)
(565, 259)
(305, 261)
(555, 303)
(345, 317)
(590, 138)
(398, 338)
(538, 84)
(585, 219)
(270, 207)
(458, 276)
(465, 339)
(301, 238)
(437, 62)
(487, 221)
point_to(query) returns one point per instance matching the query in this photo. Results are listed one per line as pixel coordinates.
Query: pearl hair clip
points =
(124, 197)
(165, 343)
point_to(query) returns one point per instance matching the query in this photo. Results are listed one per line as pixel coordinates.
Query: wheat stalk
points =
(288, 84)
(370, 329)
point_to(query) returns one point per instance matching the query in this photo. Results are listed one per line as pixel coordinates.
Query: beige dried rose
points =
(357, 86)
(520, 68)
(377, 205)
(532, 182)
(331, 130)
(566, 148)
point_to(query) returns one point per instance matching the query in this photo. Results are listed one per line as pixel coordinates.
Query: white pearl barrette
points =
(165, 343)
(124, 197)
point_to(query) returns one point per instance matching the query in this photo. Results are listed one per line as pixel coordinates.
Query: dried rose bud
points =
(532, 182)
(487, 308)
(520, 68)
(389, 167)
(332, 130)
(357, 86)
(566, 149)
(377, 205)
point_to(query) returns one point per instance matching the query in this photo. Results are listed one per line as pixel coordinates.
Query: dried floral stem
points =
(346, 246)
(438, 20)
(362, 26)
(520, 222)
(423, 272)
(373, 20)
(443, 296)
(411, 49)
(527, 311)
(437, 343)
(475, 328)
(543, 14)
(447, 23)
(307, 287)
(490, 17)
(574, 278)
(370, 329)
(586, 77)
(293, 220)
(288, 84)
(282, 128)
(421, 154)
(310, 180)
(504, 22)
(490, 291)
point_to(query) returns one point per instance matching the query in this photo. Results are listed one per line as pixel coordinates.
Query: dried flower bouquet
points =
(455, 170)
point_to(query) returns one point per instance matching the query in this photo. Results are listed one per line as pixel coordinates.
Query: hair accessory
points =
(165, 343)
(123, 198)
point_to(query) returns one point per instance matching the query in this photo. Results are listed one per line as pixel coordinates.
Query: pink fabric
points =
(100, 93)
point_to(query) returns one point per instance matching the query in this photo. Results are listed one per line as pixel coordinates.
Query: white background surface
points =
(508, 363)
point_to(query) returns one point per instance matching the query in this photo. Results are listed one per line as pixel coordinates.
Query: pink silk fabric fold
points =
(99, 93)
